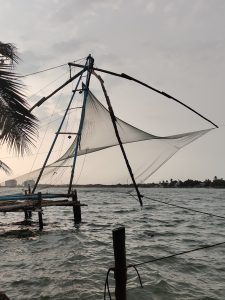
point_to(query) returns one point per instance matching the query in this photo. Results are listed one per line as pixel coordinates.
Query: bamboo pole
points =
(113, 118)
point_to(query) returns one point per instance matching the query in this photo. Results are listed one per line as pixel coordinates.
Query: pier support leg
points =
(26, 215)
(29, 212)
(40, 220)
(3, 296)
(76, 208)
(120, 272)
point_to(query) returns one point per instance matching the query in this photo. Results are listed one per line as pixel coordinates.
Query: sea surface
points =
(70, 262)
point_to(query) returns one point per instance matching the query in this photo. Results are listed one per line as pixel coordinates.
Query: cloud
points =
(70, 10)
(32, 61)
(177, 46)
(150, 7)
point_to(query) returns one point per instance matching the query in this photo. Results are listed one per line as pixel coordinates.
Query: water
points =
(67, 262)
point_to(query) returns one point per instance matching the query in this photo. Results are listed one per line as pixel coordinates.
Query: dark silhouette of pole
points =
(89, 64)
(40, 219)
(120, 272)
(59, 129)
(125, 76)
(113, 118)
(40, 102)
(76, 208)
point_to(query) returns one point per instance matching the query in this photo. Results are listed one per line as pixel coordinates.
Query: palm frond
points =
(11, 88)
(8, 51)
(5, 168)
(18, 131)
(18, 127)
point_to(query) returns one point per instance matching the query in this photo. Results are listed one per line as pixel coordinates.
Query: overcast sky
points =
(176, 46)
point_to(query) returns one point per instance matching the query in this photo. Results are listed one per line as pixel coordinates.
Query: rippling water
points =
(67, 262)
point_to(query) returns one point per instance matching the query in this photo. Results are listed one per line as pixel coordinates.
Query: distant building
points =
(27, 183)
(11, 183)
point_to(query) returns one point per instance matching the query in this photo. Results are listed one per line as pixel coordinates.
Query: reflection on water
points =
(67, 262)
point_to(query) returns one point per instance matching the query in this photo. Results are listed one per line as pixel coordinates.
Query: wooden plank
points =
(28, 206)
(3, 203)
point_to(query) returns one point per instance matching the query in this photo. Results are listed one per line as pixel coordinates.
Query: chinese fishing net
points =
(100, 160)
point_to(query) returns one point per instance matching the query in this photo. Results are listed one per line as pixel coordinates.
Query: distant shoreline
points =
(189, 183)
(166, 184)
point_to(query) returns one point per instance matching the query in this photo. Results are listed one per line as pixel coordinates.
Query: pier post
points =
(76, 208)
(29, 211)
(29, 214)
(3, 296)
(120, 272)
(26, 215)
(40, 220)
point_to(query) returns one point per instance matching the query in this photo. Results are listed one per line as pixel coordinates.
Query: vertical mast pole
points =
(57, 133)
(89, 64)
(113, 118)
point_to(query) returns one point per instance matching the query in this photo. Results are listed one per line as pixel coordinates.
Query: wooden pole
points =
(113, 118)
(26, 216)
(120, 273)
(59, 129)
(29, 211)
(125, 76)
(76, 208)
(3, 296)
(89, 63)
(58, 89)
(40, 220)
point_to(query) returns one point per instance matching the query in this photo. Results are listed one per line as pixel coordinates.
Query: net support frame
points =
(113, 118)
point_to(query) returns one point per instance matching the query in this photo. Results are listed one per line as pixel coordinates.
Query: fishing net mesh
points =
(146, 152)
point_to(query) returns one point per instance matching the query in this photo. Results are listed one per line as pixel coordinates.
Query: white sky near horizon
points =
(176, 46)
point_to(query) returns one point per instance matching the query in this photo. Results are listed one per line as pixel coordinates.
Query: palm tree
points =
(18, 127)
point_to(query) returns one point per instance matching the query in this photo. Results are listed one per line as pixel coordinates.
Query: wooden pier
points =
(30, 203)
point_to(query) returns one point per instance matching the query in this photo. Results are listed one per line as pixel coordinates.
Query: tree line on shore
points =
(189, 183)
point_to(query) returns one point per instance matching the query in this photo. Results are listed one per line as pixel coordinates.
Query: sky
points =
(176, 46)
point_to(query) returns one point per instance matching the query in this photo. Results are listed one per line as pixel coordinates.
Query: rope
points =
(46, 129)
(47, 85)
(107, 280)
(175, 205)
(186, 208)
(176, 254)
(52, 68)
(107, 284)
(59, 118)
(154, 260)
(42, 71)
(139, 277)
(81, 170)
(125, 76)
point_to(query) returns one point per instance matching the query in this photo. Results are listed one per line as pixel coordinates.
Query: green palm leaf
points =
(18, 127)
